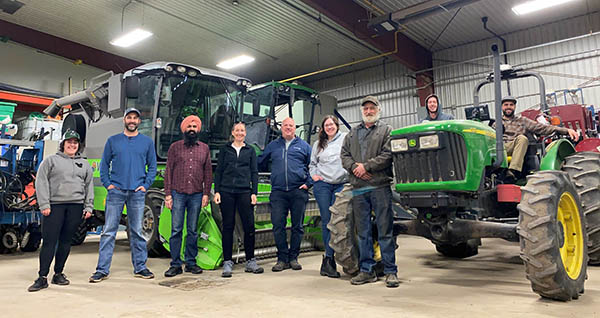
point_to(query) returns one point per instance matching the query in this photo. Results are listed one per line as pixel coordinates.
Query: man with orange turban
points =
(187, 186)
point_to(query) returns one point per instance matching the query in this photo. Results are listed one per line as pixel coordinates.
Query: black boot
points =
(40, 283)
(328, 267)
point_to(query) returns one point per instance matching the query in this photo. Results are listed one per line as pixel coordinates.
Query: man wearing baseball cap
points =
(187, 185)
(127, 170)
(367, 157)
(516, 128)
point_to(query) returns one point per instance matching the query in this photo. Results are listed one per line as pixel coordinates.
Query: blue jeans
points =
(325, 195)
(379, 201)
(281, 202)
(115, 200)
(193, 204)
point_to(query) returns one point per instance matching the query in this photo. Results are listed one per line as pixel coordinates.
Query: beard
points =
(190, 138)
(505, 113)
(371, 119)
(131, 129)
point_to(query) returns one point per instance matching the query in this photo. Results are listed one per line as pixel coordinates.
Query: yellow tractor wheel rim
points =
(571, 251)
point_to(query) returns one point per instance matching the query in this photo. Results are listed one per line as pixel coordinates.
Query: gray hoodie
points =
(327, 163)
(62, 179)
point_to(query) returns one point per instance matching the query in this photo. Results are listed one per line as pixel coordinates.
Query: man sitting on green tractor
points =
(515, 140)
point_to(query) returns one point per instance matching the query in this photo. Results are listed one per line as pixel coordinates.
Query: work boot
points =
(40, 283)
(511, 176)
(280, 266)
(363, 278)
(60, 279)
(329, 267)
(391, 280)
(194, 269)
(227, 269)
(252, 267)
(295, 265)
(145, 274)
(173, 271)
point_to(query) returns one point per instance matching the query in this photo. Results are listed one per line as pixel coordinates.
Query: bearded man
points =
(515, 140)
(188, 180)
(367, 156)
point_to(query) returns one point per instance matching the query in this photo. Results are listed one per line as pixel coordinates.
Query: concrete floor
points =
(491, 284)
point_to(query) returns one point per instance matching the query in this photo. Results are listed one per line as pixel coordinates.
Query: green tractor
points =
(452, 172)
(165, 93)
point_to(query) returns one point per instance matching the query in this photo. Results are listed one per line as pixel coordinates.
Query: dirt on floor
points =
(491, 284)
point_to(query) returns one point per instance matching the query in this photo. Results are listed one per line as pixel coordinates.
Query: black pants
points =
(58, 227)
(230, 202)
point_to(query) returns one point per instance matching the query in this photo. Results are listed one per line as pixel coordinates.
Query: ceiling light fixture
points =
(536, 5)
(131, 38)
(235, 62)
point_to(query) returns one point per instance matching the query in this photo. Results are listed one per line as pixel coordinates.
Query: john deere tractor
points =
(453, 172)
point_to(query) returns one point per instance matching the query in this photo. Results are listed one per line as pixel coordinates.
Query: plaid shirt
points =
(519, 125)
(189, 169)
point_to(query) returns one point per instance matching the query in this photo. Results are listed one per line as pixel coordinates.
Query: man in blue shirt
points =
(123, 173)
(290, 180)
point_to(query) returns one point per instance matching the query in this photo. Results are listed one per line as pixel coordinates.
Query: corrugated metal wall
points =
(388, 82)
(565, 65)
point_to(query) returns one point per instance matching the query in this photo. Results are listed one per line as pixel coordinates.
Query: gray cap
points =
(371, 99)
(509, 99)
(132, 110)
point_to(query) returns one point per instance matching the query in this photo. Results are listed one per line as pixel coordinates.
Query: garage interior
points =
(399, 51)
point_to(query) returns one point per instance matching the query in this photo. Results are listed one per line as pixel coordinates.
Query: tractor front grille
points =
(446, 163)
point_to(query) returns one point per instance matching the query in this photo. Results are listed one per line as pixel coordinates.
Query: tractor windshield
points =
(213, 99)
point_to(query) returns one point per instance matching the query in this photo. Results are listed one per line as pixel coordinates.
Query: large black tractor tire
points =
(584, 170)
(153, 207)
(80, 233)
(552, 236)
(460, 250)
(31, 239)
(343, 234)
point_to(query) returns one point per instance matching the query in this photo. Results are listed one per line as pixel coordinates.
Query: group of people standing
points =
(362, 157)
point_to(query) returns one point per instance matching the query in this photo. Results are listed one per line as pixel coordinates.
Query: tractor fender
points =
(556, 152)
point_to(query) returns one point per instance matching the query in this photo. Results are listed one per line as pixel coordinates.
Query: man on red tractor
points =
(515, 140)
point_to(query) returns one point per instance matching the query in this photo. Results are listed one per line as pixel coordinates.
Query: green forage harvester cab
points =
(165, 93)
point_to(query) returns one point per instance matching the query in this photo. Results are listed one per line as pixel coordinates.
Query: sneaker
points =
(173, 271)
(227, 269)
(328, 267)
(391, 280)
(280, 266)
(194, 269)
(363, 278)
(98, 277)
(252, 267)
(145, 274)
(295, 265)
(40, 283)
(60, 279)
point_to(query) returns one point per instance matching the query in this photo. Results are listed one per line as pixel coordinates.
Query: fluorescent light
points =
(235, 62)
(535, 5)
(131, 38)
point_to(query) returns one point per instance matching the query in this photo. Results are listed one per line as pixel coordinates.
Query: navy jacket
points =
(289, 168)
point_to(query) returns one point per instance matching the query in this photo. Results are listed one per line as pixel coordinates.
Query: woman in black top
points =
(236, 185)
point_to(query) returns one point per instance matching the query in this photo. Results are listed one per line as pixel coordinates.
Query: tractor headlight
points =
(181, 69)
(429, 142)
(399, 145)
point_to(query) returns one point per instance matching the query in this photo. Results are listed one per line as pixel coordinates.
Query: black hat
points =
(132, 110)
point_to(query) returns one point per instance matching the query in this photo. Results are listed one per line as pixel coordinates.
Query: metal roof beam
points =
(65, 48)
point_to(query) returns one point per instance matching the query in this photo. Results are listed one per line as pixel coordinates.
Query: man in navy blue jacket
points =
(290, 180)
(123, 173)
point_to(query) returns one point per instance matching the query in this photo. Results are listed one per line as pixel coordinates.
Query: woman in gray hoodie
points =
(65, 195)
(329, 176)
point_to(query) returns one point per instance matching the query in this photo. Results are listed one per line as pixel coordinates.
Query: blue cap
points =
(132, 110)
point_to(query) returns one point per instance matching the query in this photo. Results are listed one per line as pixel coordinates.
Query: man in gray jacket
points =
(432, 103)
(367, 156)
